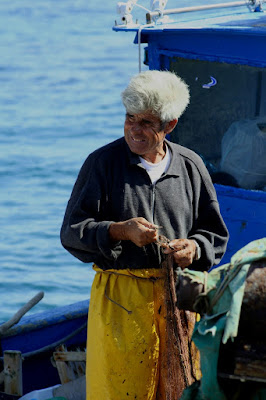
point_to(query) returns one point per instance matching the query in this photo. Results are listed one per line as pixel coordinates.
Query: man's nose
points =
(136, 127)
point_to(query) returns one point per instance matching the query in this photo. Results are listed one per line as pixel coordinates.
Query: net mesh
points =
(180, 361)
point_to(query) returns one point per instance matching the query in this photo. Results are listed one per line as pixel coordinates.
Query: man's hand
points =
(138, 230)
(183, 250)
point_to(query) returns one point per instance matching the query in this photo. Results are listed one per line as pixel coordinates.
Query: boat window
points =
(225, 122)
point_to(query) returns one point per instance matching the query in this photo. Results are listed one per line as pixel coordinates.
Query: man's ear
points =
(170, 126)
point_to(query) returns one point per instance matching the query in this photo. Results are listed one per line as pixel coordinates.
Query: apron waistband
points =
(152, 274)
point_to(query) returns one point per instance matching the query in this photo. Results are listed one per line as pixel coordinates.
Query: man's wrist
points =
(117, 231)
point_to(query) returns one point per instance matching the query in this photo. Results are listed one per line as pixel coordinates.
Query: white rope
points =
(144, 8)
(139, 41)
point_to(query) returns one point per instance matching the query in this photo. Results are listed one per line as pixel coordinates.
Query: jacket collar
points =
(174, 167)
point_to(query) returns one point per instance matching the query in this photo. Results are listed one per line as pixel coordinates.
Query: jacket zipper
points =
(153, 203)
(157, 248)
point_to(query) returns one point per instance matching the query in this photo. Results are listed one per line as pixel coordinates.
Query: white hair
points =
(161, 92)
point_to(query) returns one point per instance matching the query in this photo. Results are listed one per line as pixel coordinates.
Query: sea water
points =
(62, 70)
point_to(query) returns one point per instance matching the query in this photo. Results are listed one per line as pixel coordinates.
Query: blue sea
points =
(62, 70)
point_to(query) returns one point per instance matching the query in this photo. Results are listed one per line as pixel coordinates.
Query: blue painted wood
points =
(29, 323)
(239, 36)
(221, 46)
(244, 212)
(42, 329)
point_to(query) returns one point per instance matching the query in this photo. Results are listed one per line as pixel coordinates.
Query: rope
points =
(117, 304)
(208, 305)
(131, 275)
(54, 344)
(139, 41)
(229, 277)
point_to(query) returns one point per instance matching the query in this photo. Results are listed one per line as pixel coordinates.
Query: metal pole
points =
(150, 15)
(19, 314)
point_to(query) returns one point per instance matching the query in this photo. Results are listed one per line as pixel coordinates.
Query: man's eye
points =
(147, 122)
(130, 117)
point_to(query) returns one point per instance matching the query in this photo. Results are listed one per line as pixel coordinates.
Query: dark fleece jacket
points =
(113, 186)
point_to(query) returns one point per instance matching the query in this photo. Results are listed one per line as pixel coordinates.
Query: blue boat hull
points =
(244, 212)
(37, 335)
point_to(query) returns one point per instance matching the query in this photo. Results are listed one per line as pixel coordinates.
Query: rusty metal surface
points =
(255, 290)
(252, 323)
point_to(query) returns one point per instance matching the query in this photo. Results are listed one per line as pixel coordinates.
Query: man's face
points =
(144, 134)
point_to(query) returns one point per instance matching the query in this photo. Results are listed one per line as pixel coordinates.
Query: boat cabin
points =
(220, 52)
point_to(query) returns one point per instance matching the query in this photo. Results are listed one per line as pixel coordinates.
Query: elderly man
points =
(127, 194)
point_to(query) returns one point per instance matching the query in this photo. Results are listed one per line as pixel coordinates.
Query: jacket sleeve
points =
(209, 229)
(84, 231)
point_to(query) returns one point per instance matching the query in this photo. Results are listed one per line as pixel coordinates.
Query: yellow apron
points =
(126, 335)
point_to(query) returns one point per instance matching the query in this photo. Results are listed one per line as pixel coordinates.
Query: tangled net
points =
(181, 360)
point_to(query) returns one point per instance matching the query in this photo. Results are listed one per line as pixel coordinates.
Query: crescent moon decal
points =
(213, 82)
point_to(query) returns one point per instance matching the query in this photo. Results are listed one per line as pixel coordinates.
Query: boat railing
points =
(254, 5)
(158, 12)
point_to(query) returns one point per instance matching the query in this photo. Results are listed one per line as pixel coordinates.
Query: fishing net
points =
(180, 361)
